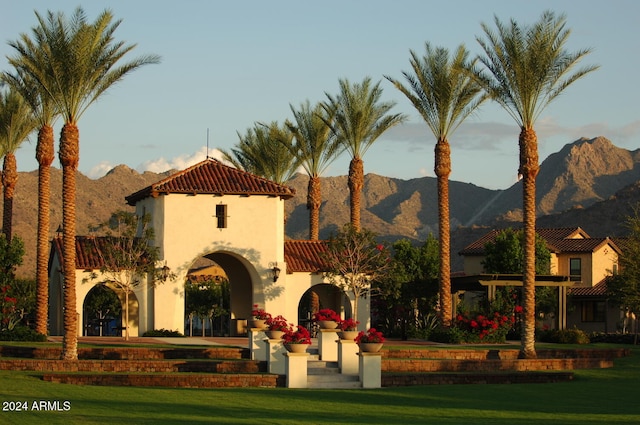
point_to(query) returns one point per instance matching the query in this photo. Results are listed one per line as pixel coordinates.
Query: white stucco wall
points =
(186, 229)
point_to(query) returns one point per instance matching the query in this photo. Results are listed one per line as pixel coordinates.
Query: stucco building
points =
(231, 217)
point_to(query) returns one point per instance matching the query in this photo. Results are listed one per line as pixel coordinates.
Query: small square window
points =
(221, 216)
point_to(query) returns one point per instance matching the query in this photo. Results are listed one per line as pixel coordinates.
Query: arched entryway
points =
(319, 297)
(104, 311)
(223, 268)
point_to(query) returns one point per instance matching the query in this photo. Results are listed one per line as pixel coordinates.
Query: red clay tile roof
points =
(87, 251)
(212, 177)
(305, 256)
(300, 255)
(598, 290)
(558, 240)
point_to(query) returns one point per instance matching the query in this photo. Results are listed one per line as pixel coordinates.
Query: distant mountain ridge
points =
(589, 183)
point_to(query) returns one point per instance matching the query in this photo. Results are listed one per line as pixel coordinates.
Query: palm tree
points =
(80, 67)
(360, 118)
(525, 68)
(265, 150)
(42, 109)
(444, 95)
(16, 123)
(316, 147)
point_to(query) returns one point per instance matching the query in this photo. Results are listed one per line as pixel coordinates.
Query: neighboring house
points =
(232, 218)
(580, 266)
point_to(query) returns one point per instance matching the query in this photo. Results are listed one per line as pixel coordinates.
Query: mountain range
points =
(589, 183)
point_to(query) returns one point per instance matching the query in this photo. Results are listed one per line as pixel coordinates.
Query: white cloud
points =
(180, 162)
(100, 170)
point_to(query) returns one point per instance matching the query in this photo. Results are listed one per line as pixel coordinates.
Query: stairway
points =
(326, 375)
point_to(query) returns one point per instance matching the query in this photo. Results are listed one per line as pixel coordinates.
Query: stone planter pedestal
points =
(328, 345)
(370, 370)
(296, 369)
(275, 361)
(258, 344)
(348, 357)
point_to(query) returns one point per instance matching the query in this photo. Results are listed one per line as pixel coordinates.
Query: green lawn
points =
(606, 396)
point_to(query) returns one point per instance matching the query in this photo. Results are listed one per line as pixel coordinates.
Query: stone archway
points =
(322, 296)
(118, 328)
(229, 266)
(101, 312)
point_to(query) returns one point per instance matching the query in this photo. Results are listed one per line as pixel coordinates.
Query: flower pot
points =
(327, 324)
(370, 347)
(274, 334)
(296, 348)
(257, 324)
(348, 335)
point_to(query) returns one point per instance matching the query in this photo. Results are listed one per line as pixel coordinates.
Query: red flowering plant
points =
(8, 317)
(372, 335)
(259, 314)
(300, 335)
(277, 323)
(492, 326)
(326, 314)
(348, 325)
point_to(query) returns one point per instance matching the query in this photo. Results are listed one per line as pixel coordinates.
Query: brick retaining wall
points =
(174, 381)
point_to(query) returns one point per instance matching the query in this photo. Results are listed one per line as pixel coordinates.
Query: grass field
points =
(603, 396)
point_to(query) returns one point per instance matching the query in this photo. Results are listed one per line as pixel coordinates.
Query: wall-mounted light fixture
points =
(275, 272)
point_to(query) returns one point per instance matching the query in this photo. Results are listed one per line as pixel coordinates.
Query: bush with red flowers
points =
(298, 336)
(277, 323)
(348, 325)
(372, 335)
(326, 314)
(259, 314)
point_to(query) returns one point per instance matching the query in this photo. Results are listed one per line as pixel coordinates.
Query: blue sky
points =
(226, 65)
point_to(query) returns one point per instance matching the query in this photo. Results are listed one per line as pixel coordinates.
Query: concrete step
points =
(319, 367)
(333, 381)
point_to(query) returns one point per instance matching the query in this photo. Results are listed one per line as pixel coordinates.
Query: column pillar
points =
(370, 370)
(328, 345)
(275, 361)
(258, 344)
(296, 369)
(348, 357)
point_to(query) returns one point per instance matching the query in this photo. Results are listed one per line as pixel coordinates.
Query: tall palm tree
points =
(82, 63)
(16, 123)
(43, 111)
(359, 119)
(444, 95)
(316, 147)
(265, 150)
(524, 69)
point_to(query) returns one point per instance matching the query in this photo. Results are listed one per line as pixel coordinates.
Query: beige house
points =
(228, 216)
(579, 268)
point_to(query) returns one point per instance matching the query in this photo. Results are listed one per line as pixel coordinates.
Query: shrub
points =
(163, 333)
(450, 335)
(564, 336)
(612, 338)
(22, 333)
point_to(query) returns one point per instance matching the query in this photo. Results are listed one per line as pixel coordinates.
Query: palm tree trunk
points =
(314, 201)
(443, 170)
(44, 155)
(529, 170)
(9, 180)
(356, 182)
(69, 156)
